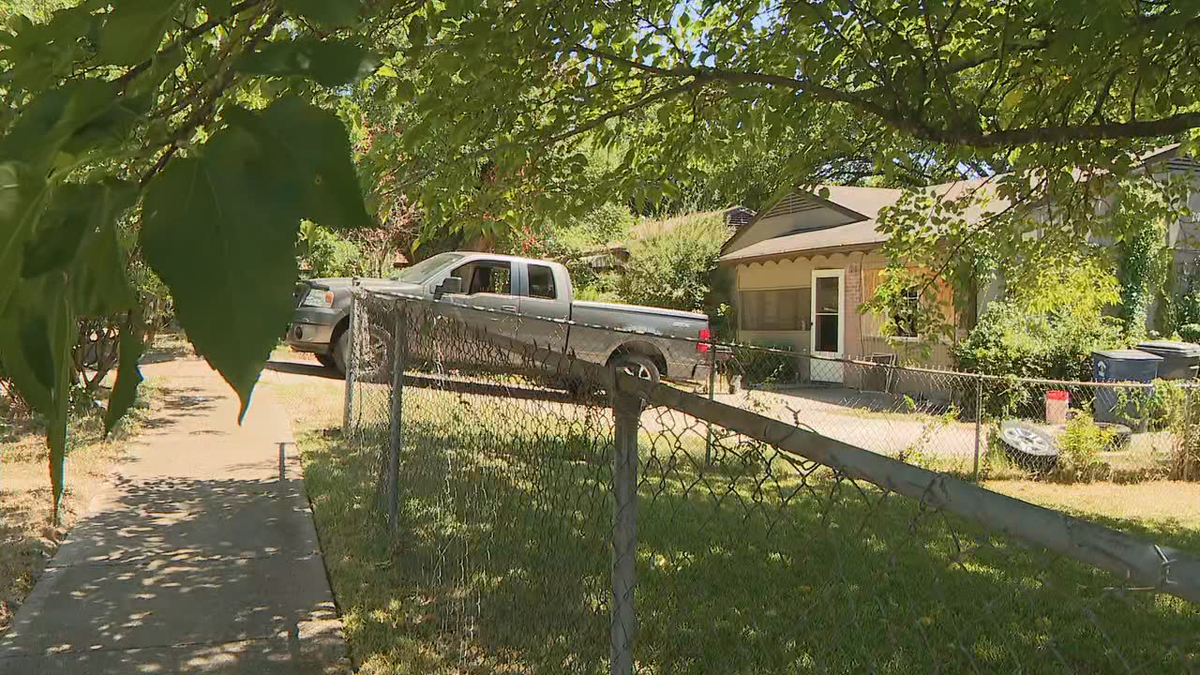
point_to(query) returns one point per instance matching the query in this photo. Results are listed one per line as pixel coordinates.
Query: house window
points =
(783, 309)
(904, 318)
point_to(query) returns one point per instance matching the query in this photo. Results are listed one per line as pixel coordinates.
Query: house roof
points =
(861, 204)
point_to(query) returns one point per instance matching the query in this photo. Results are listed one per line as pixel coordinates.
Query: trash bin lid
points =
(1170, 347)
(1127, 355)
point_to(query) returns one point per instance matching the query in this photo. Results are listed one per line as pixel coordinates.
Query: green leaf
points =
(100, 285)
(135, 29)
(61, 117)
(327, 12)
(79, 213)
(220, 229)
(21, 200)
(129, 376)
(312, 148)
(330, 63)
(30, 337)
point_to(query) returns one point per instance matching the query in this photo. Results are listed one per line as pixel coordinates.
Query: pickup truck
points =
(515, 286)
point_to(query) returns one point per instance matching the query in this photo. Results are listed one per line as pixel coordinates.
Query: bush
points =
(324, 253)
(1190, 332)
(760, 366)
(1009, 340)
(674, 269)
(1079, 449)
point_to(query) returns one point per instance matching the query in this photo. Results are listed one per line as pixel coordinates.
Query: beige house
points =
(804, 266)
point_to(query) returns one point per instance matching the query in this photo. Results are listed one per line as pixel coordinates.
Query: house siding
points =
(862, 333)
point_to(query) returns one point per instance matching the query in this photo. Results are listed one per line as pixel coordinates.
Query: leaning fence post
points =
(351, 330)
(978, 422)
(627, 410)
(395, 438)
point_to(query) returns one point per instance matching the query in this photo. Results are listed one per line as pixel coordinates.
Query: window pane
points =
(827, 295)
(778, 310)
(827, 333)
(541, 282)
(487, 277)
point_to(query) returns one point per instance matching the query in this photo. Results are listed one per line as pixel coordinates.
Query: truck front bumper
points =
(311, 330)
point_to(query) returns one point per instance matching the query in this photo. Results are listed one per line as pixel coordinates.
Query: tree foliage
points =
(195, 116)
(219, 125)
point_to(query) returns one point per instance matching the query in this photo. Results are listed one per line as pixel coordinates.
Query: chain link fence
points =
(762, 513)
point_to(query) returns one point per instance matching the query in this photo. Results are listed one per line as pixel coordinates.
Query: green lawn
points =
(501, 563)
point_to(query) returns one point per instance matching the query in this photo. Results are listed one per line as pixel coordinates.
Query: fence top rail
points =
(938, 372)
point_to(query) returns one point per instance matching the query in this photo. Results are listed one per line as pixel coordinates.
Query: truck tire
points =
(638, 365)
(328, 361)
(379, 369)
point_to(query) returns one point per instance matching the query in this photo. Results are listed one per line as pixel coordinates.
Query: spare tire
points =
(1028, 447)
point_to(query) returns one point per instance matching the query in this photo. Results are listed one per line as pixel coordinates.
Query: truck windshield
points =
(417, 274)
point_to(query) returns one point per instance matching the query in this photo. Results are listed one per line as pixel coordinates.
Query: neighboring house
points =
(804, 266)
(615, 255)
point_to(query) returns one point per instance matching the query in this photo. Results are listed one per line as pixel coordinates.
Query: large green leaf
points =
(129, 376)
(310, 146)
(328, 62)
(61, 118)
(99, 281)
(328, 12)
(21, 198)
(220, 230)
(135, 29)
(29, 336)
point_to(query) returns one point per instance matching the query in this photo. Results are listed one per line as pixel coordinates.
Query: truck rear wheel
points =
(377, 355)
(328, 361)
(638, 365)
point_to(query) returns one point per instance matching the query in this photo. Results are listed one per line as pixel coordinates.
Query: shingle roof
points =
(863, 202)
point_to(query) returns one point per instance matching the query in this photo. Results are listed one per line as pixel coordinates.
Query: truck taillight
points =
(705, 335)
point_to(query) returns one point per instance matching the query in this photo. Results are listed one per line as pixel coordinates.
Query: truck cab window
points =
(541, 282)
(486, 277)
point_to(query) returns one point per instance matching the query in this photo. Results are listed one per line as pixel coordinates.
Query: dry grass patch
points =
(28, 535)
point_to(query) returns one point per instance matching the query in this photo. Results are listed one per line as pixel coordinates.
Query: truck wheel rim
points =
(638, 370)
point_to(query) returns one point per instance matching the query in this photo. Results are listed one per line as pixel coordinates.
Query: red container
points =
(1057, 402)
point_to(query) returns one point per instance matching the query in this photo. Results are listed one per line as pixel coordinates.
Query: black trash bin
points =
(1180, 360)
(1125, 405)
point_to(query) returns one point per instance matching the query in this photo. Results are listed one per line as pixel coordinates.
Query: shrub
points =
(1190, 332)
(1009, 340)
(760, 366)
(1079, 447)
(674, 269)
(324, 253)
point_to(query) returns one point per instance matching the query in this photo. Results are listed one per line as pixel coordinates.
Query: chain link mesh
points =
(733, 544)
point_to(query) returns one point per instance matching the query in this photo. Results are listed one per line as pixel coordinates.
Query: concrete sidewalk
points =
(201, 558)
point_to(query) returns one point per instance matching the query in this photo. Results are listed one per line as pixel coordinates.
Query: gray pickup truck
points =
(520, 287)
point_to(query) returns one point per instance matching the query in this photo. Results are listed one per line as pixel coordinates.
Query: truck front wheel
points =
(639, 366)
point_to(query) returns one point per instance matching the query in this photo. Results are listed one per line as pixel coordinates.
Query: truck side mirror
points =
(449, 285)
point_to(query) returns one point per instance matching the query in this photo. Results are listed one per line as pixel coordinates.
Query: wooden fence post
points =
(627, 409)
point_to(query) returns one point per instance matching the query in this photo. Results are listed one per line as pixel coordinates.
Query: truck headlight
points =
(318, 298)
